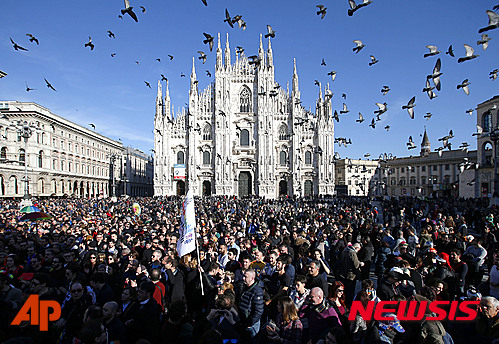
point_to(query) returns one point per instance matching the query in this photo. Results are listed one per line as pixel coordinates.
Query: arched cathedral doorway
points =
(283, 188)
(206, 188)
(180, 188)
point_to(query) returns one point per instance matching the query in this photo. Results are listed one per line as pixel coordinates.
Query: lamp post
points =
(112, 158)
(24, 129)
(494, 137)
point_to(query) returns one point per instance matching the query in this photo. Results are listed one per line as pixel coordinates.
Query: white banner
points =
(186, 243)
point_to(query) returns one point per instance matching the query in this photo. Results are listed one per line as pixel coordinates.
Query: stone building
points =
(355, 177)
(244, 134)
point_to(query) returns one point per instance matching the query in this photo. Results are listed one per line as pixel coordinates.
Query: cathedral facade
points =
(244, 134)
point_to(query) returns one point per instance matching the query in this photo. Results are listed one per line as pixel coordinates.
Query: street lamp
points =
(25, 130)
(112, 157)
(494, 137)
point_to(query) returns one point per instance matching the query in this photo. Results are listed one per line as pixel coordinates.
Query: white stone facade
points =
(244, 134)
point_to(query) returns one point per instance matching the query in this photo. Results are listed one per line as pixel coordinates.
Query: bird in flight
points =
(479, 130)
(270, 32)
(49, 85)
(428, 116)
(228, 18)
(484, 41)
(143, 9)
(433, 51)
(171, 57)
(354, 7)
(361, 118)
(254, 60)
(110, 34)
(464, 86)
(323, 63)
(163, 78)
(493, 74)
(202, 56)
(33, 38)
(239, 50)
(208, 40)
(204, 2)
(382, 108)
(410, 107)
(436, 74)
(359, 46)
(429, 90)
(470, 54)
(410, 144)
(373, 124)
(344, 96)
(385, 90)
(493, 22)
(138, 63)
(387, 127)
(113, 54)
(182, 75)
(322, 10)
(129, 9)
(27, 87)
(208, 73)
(17, 46)
(450, 51)
(89, 43)
(469, 112)
(373, 61)
(159, 60)
(333, 74)
(147, 84)
(345, 109)
(92, 125)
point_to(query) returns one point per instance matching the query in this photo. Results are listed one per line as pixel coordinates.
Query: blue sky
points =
(93, 87)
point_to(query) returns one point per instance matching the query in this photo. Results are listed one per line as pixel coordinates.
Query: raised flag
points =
(186, 243)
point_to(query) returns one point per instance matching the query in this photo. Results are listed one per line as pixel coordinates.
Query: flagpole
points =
(196, 241)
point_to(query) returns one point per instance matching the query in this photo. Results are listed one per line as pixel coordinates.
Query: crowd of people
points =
(265, 271)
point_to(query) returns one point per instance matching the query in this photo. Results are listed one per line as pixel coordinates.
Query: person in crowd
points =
(288, 328)
(251, 304)
(299, 294)
(315, 279)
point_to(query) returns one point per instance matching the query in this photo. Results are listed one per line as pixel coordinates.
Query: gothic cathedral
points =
(244, 135)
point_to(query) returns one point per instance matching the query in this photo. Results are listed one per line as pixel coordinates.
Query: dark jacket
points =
(349, 264)
(146, 322)
(176, 285)
(251, 304)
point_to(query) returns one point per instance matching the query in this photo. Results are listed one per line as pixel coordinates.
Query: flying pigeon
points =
(387, 127)
(450, 51)
(373, 61)
(464, 86)
(322, 10)
(143, 9)
(17, 46)
(469, 112)
(428, 115)
(359, 46)
(159, 60)
(171, 57)
(323, 63)
(89, 43)
(49, 85)
(33, 38)
(129, 9)
(373, 124)
(436, 74)
(469, 54)
(410, 144)
(254, 60)
(271, 33)
(92, 125)
(385, 90)
(208, 40)
(208, 73)
(493, 22)
(239, 50)
(333, 74)
(163, 78)
(382, 108)
(228, 18)
(433, 51)
(147, 84)
(484, 41)
(345, 110)
(205, 2)
(361, 118)
(479, 131)
(344, 96)
(410, 107)
(202, 56)
(27, 87)
(429, 90)
(110, 34)
(493, 74)
(354, 7)
(113, 54)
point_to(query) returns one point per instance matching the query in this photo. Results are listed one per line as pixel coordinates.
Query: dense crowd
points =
(267, 271)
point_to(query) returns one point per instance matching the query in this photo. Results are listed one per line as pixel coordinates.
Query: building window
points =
(435, 167)
(207, 132)
(206, 158)
(22, 155)
(423, 180)
(283, 132)
(402, 181)
(245, 100)
(393, 181)
(412, 181)
(3, 153)
(487, 119)
(282, 158)
(180, 158)
(244, 140)
(40, 159)
(308, 158)
(423, 168)
(446, 167)
(402, 170)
